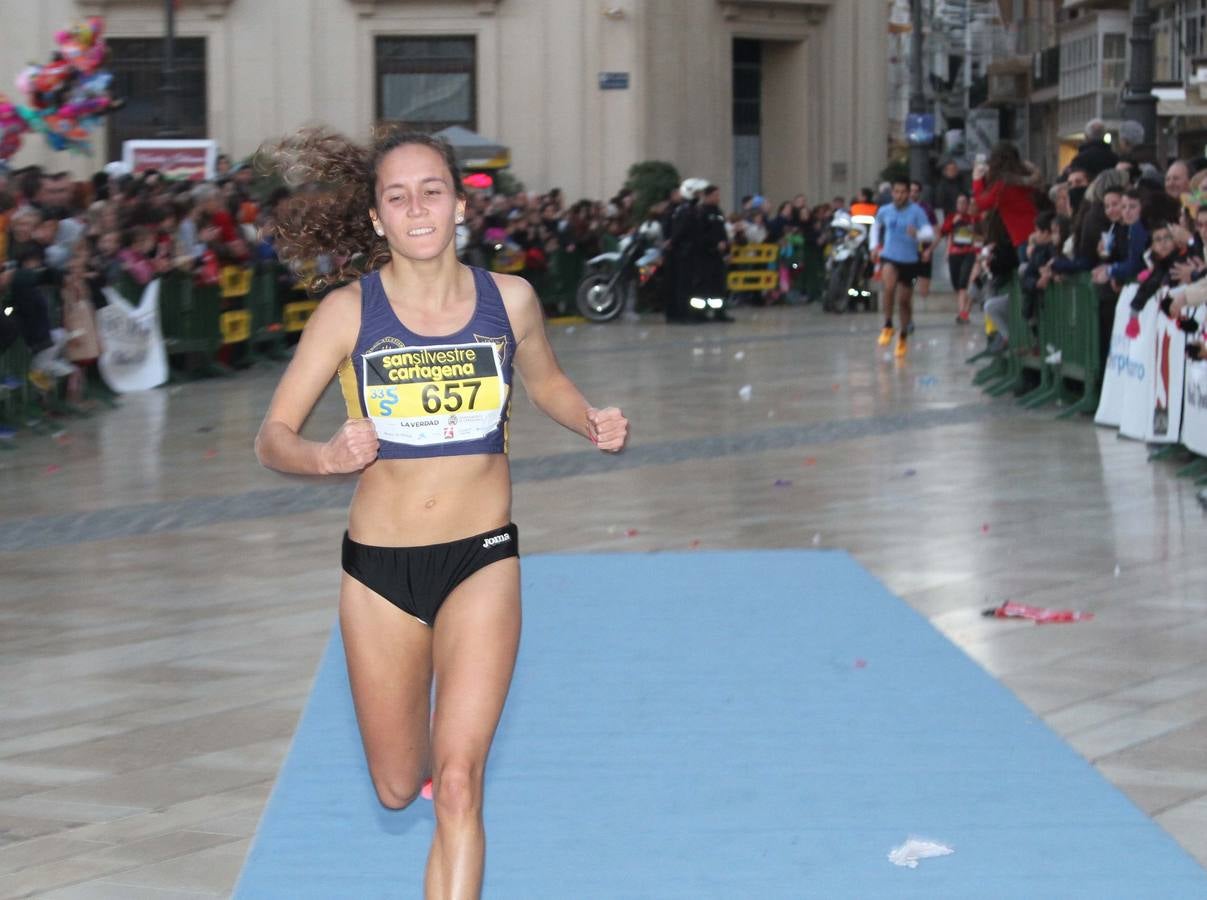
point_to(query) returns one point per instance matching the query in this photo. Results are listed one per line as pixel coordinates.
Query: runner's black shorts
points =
(959, 266)
(907, 273)
(419, 579)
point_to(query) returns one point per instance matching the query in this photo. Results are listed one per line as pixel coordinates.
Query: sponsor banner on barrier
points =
(1110, 401)
(1194, 414)
(133, 356)
(1194, 408)
(1169, 366)
(1137, 366)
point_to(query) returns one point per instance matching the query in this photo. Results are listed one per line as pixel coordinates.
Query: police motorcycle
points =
(848, 268)
(612, 279)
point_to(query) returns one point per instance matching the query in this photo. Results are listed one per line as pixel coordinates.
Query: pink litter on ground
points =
(210, 454)
(630, 532)
(1038, 614)
(426, 791)
(985, 528)
(695, 544)
(861, 664)
(53, 469)
(810, 460)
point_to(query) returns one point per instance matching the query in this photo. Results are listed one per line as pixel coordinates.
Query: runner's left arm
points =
(551, 390)
(926, 231)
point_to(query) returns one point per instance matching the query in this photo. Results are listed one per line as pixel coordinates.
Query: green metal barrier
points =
(560, 283)
(15, 392)
(264, 304)
(1068, 322)
(189, 316)
(1077, 339)
(1024, 358)
(1051, 305)
(188, 313)
(811, 279)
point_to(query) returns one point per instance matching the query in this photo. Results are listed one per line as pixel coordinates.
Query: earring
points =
(380, 232)
(460, 219)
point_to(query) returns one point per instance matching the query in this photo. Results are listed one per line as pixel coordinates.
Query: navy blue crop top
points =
(431, 396)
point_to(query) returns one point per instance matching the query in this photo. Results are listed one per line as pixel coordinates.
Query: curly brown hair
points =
(335, 185)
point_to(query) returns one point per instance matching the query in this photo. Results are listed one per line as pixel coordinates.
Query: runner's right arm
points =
(328, 338)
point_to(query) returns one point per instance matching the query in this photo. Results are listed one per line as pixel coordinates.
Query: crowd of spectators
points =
(78, 237)
(1108, 214)
(68, 240)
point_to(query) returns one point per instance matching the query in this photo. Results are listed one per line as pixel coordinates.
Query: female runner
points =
(424, 348)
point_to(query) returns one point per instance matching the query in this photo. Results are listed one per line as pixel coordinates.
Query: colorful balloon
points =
(65, 97)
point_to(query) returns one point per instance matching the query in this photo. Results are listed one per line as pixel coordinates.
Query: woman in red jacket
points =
(1007, 184)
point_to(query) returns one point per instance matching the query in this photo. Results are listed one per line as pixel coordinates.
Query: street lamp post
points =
(1139, 104)
(919, 153)
(170, 125)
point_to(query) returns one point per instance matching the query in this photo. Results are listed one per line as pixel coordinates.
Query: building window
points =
(1114, 61)
(427, 83)
(1165, 65)
(137, 67)
(747, 86)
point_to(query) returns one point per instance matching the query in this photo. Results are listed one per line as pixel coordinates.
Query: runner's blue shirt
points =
(892, 224)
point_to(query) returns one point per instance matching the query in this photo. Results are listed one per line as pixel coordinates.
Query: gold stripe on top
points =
(507, 423)
(349, 386)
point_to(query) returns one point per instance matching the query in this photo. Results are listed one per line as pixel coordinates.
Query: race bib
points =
(963, 236)
(434, 395)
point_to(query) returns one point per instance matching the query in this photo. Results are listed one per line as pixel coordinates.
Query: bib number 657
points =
(452, 398)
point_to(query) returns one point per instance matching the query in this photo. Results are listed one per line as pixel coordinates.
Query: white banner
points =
(1136, 413)
(1169, 365)
(133, 357)
(1194, 412)
(1110, 401)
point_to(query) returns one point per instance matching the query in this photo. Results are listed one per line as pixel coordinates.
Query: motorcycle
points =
(613, 279)
(848, 276)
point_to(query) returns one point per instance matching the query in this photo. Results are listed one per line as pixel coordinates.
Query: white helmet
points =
(691, 187)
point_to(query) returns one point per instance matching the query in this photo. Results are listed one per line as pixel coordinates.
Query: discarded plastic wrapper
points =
(1038, 614)
(915, 849)
(745, 392)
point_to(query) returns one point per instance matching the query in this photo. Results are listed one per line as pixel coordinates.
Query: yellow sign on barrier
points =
(234, 281)
(757, 280)
(753, 255)
(298, 313)
(235, 325)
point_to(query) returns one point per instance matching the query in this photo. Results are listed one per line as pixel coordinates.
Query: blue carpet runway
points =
(700, 725)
